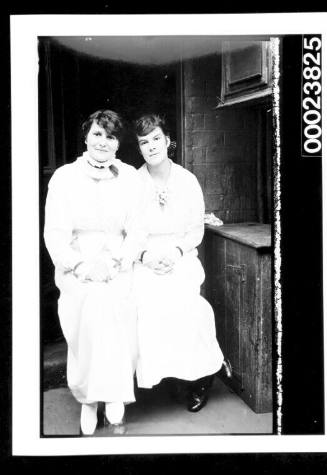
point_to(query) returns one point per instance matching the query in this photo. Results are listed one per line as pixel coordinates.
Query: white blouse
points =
(180, 221)
(91, 211)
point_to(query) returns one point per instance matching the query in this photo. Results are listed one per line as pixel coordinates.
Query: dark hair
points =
(110, 121)
(147, 123)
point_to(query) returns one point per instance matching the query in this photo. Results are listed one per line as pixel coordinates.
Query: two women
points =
(101, 218)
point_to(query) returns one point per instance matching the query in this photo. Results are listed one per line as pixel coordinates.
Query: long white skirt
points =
(176, 326)
(99, 324)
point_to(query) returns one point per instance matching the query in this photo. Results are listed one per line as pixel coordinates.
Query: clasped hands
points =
(97, 270)
(161, 263)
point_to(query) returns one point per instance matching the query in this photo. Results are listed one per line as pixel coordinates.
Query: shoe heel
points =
(228, 370)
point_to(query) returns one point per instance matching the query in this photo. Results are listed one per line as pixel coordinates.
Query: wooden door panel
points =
(240, 291)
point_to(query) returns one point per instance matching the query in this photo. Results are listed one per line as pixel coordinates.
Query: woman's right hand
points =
(97, 271)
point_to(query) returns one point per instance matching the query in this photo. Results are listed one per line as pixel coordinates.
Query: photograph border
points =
(25, 199)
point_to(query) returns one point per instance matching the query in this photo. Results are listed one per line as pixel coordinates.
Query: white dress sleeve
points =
(58, 229)
(194, 211)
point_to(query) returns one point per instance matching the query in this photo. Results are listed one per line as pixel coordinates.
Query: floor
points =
(155, 412)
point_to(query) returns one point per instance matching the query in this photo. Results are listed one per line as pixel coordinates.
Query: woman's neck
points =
(160, 173)
(96, 164)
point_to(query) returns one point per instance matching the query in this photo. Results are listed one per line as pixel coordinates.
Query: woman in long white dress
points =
(176, 326)
(92, 236)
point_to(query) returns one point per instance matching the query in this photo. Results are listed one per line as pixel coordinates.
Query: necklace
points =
(96, 166)
(104, 166)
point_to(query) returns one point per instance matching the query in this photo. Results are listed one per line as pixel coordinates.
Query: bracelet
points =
(180, 250)
(117, 262)
(141, 256)
(74, 268)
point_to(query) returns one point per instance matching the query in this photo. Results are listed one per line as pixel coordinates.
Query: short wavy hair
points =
(109, 120)
(147, 123)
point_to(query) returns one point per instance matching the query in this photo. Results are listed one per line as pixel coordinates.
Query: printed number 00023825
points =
(311, 99)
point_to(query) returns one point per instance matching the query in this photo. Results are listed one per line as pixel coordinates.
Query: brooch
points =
(162, 197)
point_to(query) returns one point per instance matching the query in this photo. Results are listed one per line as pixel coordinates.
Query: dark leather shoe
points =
(227, 369)
(197, 401)
(199, 394)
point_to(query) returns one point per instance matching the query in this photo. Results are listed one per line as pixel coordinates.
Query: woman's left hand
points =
(163, 266)
(168, 261)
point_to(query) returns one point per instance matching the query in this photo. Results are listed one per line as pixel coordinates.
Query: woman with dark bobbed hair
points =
(92, 236)
(176, 326)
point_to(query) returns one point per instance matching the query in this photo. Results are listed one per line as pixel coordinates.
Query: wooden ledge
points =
(255, 235)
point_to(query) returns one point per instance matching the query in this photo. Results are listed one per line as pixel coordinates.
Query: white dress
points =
(176, 326)
(91, 212)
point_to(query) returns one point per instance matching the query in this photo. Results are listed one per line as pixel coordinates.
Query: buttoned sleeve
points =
(58, 229)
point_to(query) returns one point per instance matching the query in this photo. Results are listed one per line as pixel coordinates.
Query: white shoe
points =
(115, 412)
(89, 418)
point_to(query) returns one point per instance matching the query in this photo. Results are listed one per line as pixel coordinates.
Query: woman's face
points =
(154, 147)
(100, 146)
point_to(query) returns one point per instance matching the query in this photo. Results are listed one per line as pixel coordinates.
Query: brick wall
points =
(220, 144)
